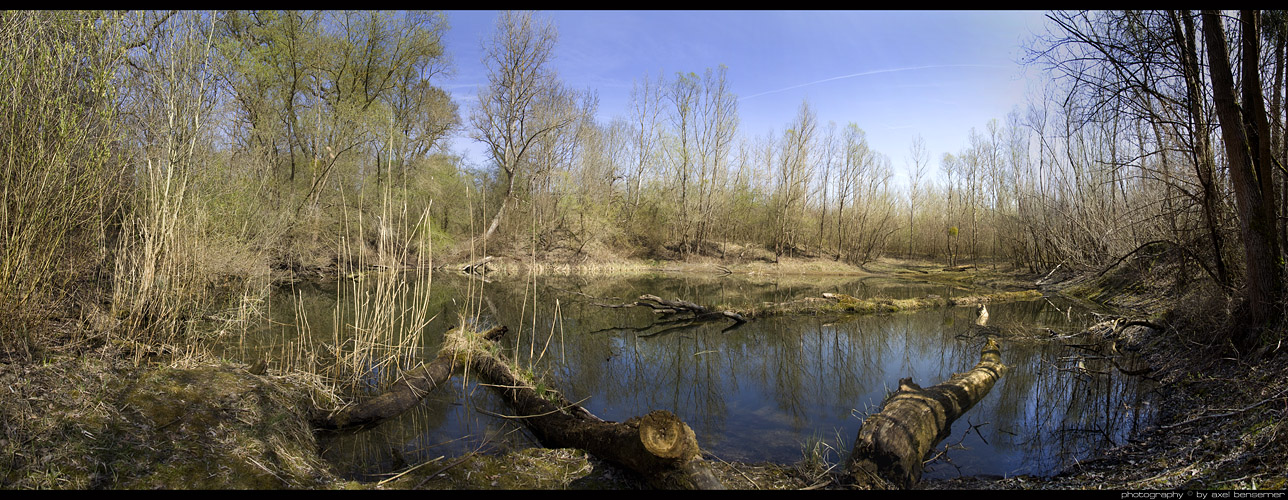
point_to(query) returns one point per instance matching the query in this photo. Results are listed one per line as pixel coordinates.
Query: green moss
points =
(216, 427)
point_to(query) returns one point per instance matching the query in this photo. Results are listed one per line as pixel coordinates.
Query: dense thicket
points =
(169, 153)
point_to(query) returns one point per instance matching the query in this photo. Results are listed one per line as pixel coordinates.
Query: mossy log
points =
(839, 303)
(892, 444)
(410, 388)
(658, 446)
(678, 314)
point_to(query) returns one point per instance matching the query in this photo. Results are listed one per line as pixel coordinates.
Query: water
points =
(757, 393)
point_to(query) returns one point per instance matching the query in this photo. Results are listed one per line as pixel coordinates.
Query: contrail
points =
(873, 72)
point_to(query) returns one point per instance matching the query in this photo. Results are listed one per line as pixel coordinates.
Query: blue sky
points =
(896, 74)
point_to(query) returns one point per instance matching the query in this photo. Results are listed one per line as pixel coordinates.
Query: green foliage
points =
(61, 153)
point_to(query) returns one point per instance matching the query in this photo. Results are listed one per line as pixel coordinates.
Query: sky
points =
(895, 74)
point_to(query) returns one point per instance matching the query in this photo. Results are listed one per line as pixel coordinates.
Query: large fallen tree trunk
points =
(410, 388)
(839, 303)
(892, 444)
(658, 446)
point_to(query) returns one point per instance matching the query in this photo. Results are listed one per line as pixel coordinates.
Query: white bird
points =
(982, 319)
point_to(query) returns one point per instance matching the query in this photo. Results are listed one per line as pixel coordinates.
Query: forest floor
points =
(83, 416)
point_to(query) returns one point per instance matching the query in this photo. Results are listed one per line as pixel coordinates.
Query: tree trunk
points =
(500, 212)
(404, 394)
(1243, 130)
(892, 444)
(658, 446)
(1204, 162)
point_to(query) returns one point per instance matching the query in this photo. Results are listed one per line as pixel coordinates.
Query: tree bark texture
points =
(658, 446)
(413, 386)
(1242, 129)
(892, 444)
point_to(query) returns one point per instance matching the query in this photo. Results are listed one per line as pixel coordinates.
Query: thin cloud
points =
(873, 72)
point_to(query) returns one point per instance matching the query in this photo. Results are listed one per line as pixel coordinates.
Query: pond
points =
(762, 392)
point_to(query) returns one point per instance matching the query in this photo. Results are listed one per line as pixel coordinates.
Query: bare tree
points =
(1247, 146)
(920, 159)
(518, 82)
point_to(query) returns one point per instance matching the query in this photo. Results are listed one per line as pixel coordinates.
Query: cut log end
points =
(665, 435)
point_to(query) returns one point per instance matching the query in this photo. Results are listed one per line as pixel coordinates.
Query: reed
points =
(382, 305)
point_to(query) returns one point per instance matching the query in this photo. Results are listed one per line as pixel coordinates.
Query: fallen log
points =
(677, 314)
(892, 444)
(479, 267)
(411, 387)
(658, 446)
(834, 303)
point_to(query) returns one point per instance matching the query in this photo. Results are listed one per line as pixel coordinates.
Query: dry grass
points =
(89, 422)
(381, 309)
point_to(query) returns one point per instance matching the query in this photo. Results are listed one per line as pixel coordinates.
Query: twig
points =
(739, 471)
(1227, 414)
(440, 471)
(551, 412)
(403, 473)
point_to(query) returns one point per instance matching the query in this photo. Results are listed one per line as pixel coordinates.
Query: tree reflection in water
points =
(763, 391)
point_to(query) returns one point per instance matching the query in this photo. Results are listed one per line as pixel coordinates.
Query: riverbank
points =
(85, 417)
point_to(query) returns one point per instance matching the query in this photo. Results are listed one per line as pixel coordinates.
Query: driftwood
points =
(410, 388)
(892, 444)
(677, 314)
(658, 446)
(478, 267)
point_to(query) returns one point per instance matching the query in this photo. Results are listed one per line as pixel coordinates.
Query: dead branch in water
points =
(677, 314)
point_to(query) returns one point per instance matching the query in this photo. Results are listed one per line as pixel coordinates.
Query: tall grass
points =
(159, 281)
(382, 303)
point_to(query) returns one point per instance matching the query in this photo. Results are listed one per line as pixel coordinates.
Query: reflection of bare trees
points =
(760, 392)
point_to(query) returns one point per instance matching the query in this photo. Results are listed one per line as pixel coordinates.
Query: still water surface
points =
(758, 393)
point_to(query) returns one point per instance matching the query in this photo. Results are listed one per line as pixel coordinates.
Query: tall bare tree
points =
(920, 159)
(519, 80)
